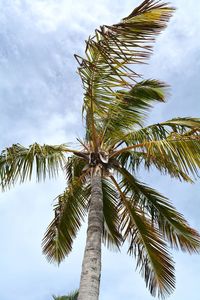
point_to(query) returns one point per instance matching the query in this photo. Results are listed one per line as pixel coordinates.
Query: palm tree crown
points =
(72, 296)
(116, 144)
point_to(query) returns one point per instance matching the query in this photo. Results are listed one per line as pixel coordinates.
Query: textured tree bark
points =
(91, 267)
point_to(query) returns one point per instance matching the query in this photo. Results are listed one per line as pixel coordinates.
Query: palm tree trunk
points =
(91, 267)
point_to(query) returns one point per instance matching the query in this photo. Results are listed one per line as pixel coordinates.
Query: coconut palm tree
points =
(101, 173)
(72, 296)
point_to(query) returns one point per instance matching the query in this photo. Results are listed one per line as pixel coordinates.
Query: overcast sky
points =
(40, 101)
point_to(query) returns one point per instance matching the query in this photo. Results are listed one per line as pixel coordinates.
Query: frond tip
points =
(69, 212)
(152, 11)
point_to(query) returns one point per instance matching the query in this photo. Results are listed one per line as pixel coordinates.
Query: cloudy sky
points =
(40, 100)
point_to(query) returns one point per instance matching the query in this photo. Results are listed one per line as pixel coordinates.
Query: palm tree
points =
(72, 296)
(101, 174)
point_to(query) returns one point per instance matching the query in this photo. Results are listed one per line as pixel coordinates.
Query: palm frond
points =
(175, 151)
(108, 56)
(130, 108)
(148, 247)
(111, 232)
(162, 214)
(176, 127)
(133, 160)
(153, 259)
(185, 154)
(19, 163)
(69, 212)
(184, 127)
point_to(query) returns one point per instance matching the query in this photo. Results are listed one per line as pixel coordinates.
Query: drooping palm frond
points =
(70, 211)
(110, 52)
(148, 247)
(134, 160)
(19, 163)
(184, 153)
(111, 231)
(153, 259)
(162, 214)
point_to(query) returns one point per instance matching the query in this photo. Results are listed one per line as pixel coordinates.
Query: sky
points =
(40, 101)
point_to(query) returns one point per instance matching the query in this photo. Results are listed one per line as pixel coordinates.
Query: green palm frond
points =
(19, 163)
(148, 247)
(185, 154)
(69, 213)
(131, 107)
(173, 152)
(176, 127)
(110, 52)
(133, 160)
(111, 232)
(162, 214)
(153, 259)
